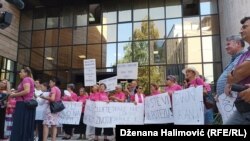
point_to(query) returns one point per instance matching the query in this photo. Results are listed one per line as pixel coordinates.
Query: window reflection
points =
(208, 7)
(190, 8)
(124, 32)
(174, 28)
(191, 26)
(157, 29)
(52, 18)
(125, 11)
(51, 37)
(209, 72)
(210, 25)
(37, 58)
(173, 8)
(156, 10)
(109, 12)
(64, 57)
(141, 52)
(79, 53)
(95, 52)
(26, 20)
(157, 52)
(143, 78)
(66, 19)
(38, 38)
(192, 46)
(80, 16)
(25, 39)
(140, 31)
(207, 48)
(39, 18)
(24, 56)
(158, 74)
(10, 65)
(140, 11)
(175, 51)
(50, 58)
(94, 34)
(124, 52)
(94, 14)
(64, 77)
(109, 33)
(109, 52)
(65, 37)
(80, 35)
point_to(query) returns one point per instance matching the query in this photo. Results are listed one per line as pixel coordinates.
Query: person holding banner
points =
(102, 96)
(70, 96)
(139, 96)
(81, 128)
(51, 119)
(154, 89)
(119, 96)
(171, 86)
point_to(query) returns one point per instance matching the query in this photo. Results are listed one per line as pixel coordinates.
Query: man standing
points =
(241, 75)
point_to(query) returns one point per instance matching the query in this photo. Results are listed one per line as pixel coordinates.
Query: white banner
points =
(71, 114)
(89, 72)
(103, 114)
(226, 105)
(188, 106)
(110, 83)
(157, 109)
(127, 71)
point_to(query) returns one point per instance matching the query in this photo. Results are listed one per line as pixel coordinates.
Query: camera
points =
(238, 88)
(5, 18)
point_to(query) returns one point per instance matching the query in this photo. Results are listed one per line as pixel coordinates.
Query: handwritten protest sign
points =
(157, 109)
(110, 83)
(188, 107)
(89, 72)
(102, 114)
(226, 105)
(127, 71)
(71, 114)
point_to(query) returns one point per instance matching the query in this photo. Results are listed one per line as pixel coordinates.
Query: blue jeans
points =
(209, 116)
(238, 118)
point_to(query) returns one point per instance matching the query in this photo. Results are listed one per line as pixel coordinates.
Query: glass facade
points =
(164, 36)
(7, 67)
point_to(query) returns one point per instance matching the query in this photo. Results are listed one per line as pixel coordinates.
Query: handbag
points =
(31, 104)
(56, 106)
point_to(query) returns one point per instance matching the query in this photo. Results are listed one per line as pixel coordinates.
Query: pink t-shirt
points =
(83, 99)
(29, 96)
(155, 92)
(120, 95)
(72, 97)
(207, 86)
(173, 88)
(196, 82)
(100, 96)
(11, 104)
(55, 90)
(140, 98)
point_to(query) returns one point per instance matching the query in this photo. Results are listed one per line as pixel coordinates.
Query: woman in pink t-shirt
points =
(119, 96)
(70, 96)
(154, 89)
(171, 86)
(51, 119)
(23, 117)
(139, 96)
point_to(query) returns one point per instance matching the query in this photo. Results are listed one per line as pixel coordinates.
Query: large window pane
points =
(210, 25)
(10, 65)
(64, 57)
(209, 72)
(124, 52)
(176, 70)
(39, 18)
(37, 58)
(140, 52)
(208, 7)
(26, 20)
(52, 18)
(191, 26)
(156, 10)
(157, 52)
(125, 12)
(140, 10)
(190, 7)
(25, 39)
(95, 52)
(24, 56)
(51, 37)
(125, 32)
(192, 50)
(50, 58)
(157, 29)
(66, 36)
(94, 14)
(66, 19)
(80, 16)
(174, 28)
(80, 35)
(207, 48)
(108, 55)
(109, 33)
(38, 38)
(158, 75)
(173, 8)
(109, 14)
(79, 53)
(175, 51)
(94, 34)
(140, 31)
(143, 79)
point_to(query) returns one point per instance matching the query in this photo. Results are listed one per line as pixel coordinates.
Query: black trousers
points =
(2, 121)
(68, 129)
(39, 124)
(106, 132)
(81, 128)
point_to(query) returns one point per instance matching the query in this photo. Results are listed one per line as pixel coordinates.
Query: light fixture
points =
(156, 52)
(50, 58)
(82, 56)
